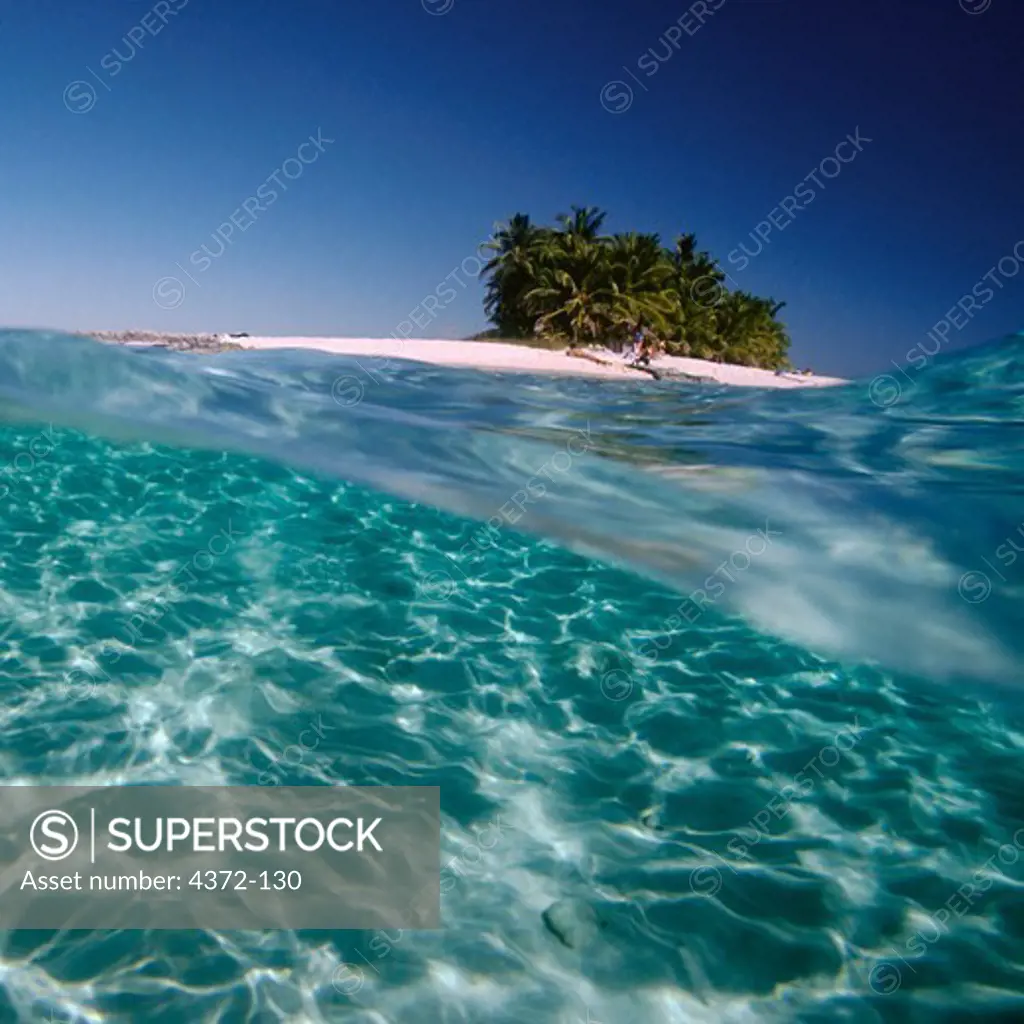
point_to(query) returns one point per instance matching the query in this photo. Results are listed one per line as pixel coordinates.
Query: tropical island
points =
(566, 299)
(569, 285)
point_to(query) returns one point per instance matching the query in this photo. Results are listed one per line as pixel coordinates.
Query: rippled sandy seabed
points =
(719, 825)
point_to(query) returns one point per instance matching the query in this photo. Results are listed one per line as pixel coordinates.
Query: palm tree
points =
(584, 225)
(512, 272)
(699, 286)
(751, 333)
(643, 285)
(573, 296)
(572, 283)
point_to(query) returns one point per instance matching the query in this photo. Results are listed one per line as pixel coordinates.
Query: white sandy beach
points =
(485, 355)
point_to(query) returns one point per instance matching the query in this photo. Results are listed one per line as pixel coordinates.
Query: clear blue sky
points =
(444, 123)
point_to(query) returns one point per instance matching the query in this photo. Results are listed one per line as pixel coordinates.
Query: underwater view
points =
(721, 687)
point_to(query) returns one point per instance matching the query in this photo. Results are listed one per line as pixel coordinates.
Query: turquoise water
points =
(796, 796)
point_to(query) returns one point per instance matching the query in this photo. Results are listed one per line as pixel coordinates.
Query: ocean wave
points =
(880, 520)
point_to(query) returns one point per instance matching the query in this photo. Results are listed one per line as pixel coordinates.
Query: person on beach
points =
(634, 346)
(640, 354)
(644, 350)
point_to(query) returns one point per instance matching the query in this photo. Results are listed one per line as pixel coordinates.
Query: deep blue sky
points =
(444, 124)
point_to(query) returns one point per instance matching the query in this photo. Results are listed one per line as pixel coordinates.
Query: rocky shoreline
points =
(176, 342)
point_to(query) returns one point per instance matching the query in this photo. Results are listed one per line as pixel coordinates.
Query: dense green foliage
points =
(574, 285)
